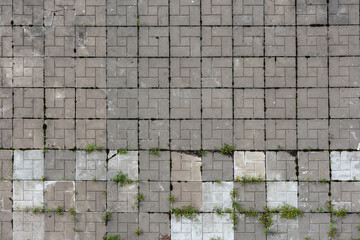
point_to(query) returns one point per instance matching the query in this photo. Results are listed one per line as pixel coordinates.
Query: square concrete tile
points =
(249, 164)
(28, 164)
(282, 192)
(216, 195)
(126, 163)
(90, 166)
(27, 194)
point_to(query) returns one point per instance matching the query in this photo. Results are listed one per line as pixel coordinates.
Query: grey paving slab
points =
(6, 41)
(6, 102)
(248, 13)
(280, 72)
(313, 165)
(217, 103)
(216, 194)
(6, 225)
(347, 227)
(249, 134)
(282, 192)
(28, 226)
(280, 166)
(121, 41)
(280, 103)
(28, 41)
(312, 72)
(59, 226)
(154, 225)
(251, 195)
(345, 165)
(120, 198)
(312, 103)
(187, 193)
(344, 134)
(280, 41)
(90, 197)
(312, 41)
(60, 41)
(28, 72)
(157, 168)
(185, 167)
(185, 134)
(248, 227)
(90, 13)
(248, 41)
(185, 72)
(28, 164)
(281, 134)
(216, 13)
(310, 12)
(121, 72)
(6, 196)
(90, 131)
(249, 103)
(185, 41)
(60, 165)
(314, 226)
(123, 224)
(120, 12)
(91, 166)
(59, 13)
(153, 42)
(154, 134)
(283, 228)
(155, 197)
(90, 72)
(279, 13)
(343, 71)
(7, 133)
(185, 12)
(313, 134)
(345, 194)
(6, 72)
(90, 41)
(6, 164)
(185, 103)
(212, 46)
(27, 133)
(126, 163)
(153, 13)
(215, 133)
(344, 103)
(154, 103)
(60, 133)
(6, 12)
(350, 47)
(122, 134)
(343, 12)
(250, 164)
(249, 72)
(59, 72)
(90, 226)
(27, 194)
(216, 167)
(313, 196)
(59, 193)
(28, 12)
(153, 72)
(60, 103)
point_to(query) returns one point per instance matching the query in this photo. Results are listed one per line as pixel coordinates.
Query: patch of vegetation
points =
(266, 218)
(37, 209)
(226, 149)
(92, 147)
(215, 238)
(332, 233)
(322, 180)
(287, 211)
(201, 152)
(252, 212)
(154, 151)
(139, 198)
(122, 151)
(171, 198)
(42, 178)
(122, 179)
(187, 211)
(72, 211)
(218, 211)
(249, 179)
(94, 179)
(112, 237)
(138, 231)
(107, 216)
(59, 210)
(342, 212)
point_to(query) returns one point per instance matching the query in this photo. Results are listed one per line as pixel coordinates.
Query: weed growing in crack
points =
(138, 231)
(122, 179)
(226, 149)
(107, 216)
(122, 151)
(92, 147)
(111, 237)
(171, 198)
(187, 211)
(154, 151)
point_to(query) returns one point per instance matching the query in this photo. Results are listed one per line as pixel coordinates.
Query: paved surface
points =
(279, 80)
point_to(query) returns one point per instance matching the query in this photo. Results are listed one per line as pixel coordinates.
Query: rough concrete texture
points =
(153, 89)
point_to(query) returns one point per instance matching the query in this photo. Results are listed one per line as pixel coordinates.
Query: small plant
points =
(218, 211)
(187, 211)
(42, 178)
(215, 238)
(72, 211)
(287, 211)
(37, 210)
(322, 180)
(226, 149)
(218, 181)
(278, 146)
(201, 152)
(94, 179)
(58, 210)
(107, 216)
(111, 237)
(138, 231)
(92, 147)
(249, 179)
(138, 21)
(320, 209)
(342, 212)
(154, 151)
(252, 212)
(104, 192)
(171, 198)
(266, 218)
(333, 231)
(139, 197)
(122, 151)
(122, 179)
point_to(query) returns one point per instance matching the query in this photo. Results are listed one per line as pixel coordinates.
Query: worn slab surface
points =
(97, 90)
